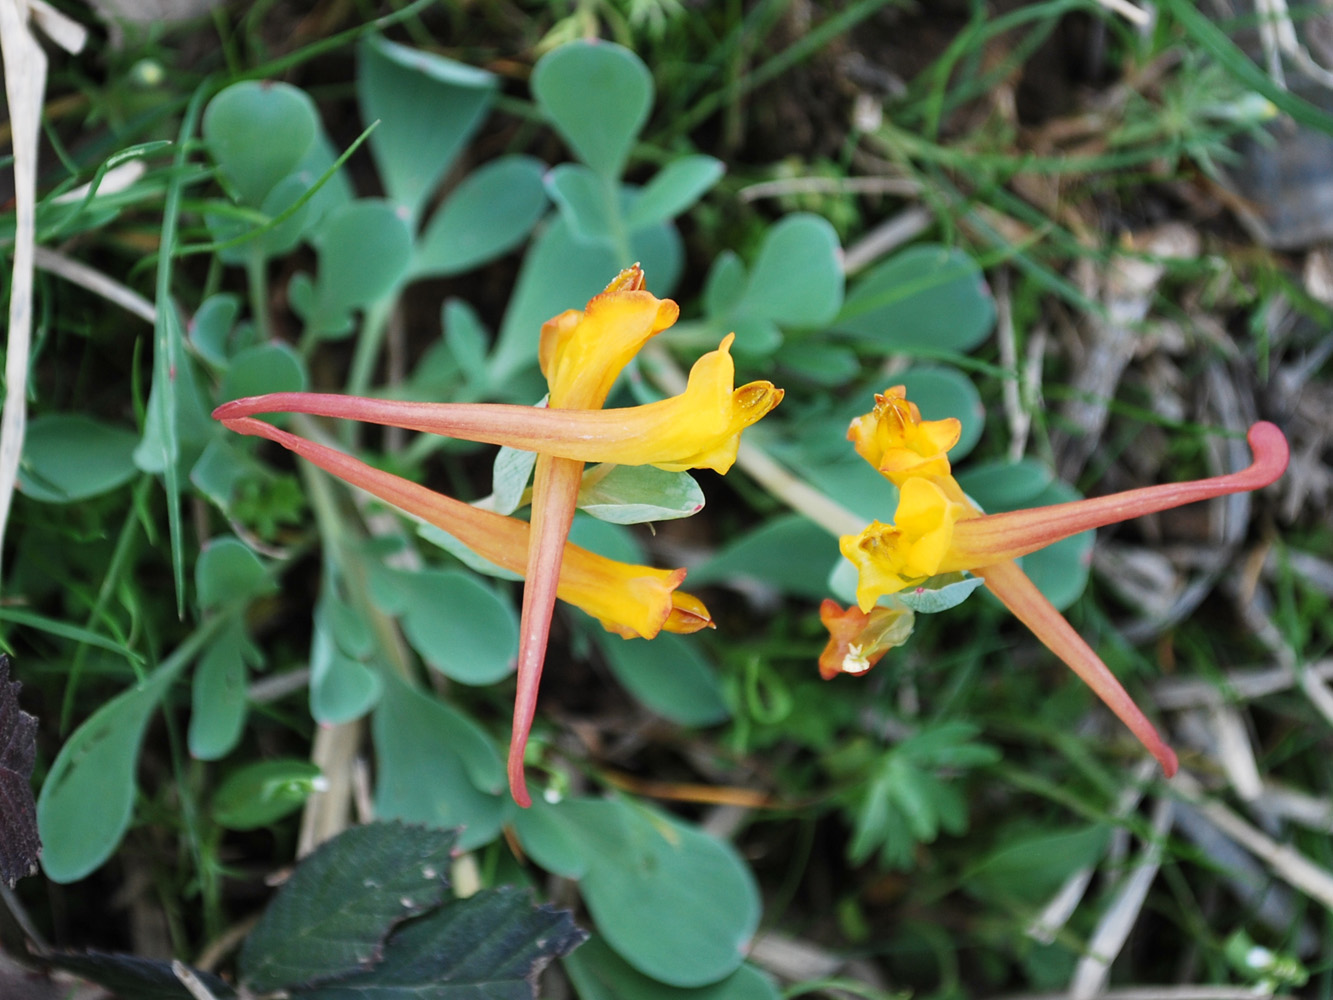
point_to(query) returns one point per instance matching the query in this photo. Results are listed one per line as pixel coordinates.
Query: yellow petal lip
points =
(583, 353)
(896, 441)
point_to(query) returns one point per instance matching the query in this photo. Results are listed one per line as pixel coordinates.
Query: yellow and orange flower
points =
(937, 530)
(582, 353)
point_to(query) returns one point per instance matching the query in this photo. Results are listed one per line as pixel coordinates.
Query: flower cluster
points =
(582, 353)
(937, 530)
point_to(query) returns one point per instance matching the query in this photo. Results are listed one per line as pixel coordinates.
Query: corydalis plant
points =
(582, 354)
(937, 530)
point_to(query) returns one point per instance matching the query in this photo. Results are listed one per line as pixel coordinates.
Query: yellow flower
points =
(632, 601)
(698, 429)
(937, 530)
(582, 353)
(896, 441)
(858, 639)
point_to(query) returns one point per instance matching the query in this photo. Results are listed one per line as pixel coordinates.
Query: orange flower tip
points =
(1168, 759)
(688, 615)
(1271, 453)
(631, 279)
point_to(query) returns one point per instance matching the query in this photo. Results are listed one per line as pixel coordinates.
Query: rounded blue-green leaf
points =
(217, 703)
(670, 675)
(586, 201)
(342, 688)
(86, 801)
(427, 107)
(796, 280)
(227, 570)
(678, 905)
(261, 793)
(940, 593)
(460, 626)
(436, 766)
(599, 973)
(597, 95)
(210, 328)
(550, 838)
(817, 361)
(725, 284)
(257, 132)
(674, 189)
(69, 457)
(489, 213)
(926, 298)
(997, 486)
(789, 553)
(365, 248)
(254, 371)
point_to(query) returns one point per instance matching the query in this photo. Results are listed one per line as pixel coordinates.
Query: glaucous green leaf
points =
(342, 687)
(489, 213)
(69, 457)
(510, 474)
(228, 570)
(587, 201)
(217, 705)
(725, 284)
(673, 189)
(676, 904)
(209, 330)
(274, 367)
(633, 494)
(365, 248)
(599, 973)
(177, 422)
(669, 674)
(427, 107)
(86, 800)
(257, 131)
(796, 281)
(436, 766)
(550, 838)
(818, 362)
(928, 298)
(597, 95)
(458, 625)
(1026, 870)
(789, 552)
(261, 793)
(467, 340)
(997, 486)
(332, 917)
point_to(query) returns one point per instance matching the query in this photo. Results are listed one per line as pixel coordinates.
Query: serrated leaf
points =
(20, 846)
(492, 944)
(259, 794)
(633, 494)
(139, 978)
(489, 213)
(597, 95)
(331, 918)
(673, 189)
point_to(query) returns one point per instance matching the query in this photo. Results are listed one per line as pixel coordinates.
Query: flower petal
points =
(896, 441)
(1021, 596)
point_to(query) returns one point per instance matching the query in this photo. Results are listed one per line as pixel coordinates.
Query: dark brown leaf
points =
(20, 846)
